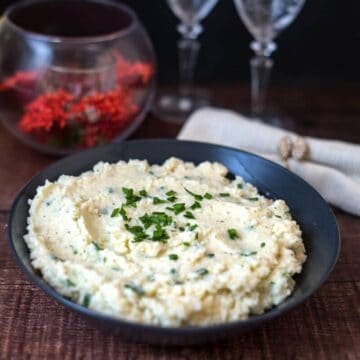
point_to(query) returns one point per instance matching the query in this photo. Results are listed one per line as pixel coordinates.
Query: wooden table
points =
(327, 326)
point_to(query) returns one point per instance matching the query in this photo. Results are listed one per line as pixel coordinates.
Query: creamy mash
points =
(173, 245)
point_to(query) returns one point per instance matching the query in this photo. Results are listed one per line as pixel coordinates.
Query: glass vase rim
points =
(63, 39)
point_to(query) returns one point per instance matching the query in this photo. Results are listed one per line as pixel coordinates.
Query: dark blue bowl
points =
(320, 231)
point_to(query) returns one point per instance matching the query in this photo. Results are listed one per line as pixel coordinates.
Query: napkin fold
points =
(331, 167)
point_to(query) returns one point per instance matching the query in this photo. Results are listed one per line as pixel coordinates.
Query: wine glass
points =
(265, 19)
(175, 107)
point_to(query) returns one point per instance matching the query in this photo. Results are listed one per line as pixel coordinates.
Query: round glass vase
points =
(74, 74)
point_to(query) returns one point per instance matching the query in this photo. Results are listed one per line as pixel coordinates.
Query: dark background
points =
(321, 47)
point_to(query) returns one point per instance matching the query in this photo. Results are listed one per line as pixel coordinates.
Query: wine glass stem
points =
(261, 66)
(188, 53)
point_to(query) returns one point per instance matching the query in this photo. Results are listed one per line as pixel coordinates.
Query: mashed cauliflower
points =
(171, 245)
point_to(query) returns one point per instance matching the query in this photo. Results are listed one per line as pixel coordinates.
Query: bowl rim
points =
(252, 321)
(72, 39)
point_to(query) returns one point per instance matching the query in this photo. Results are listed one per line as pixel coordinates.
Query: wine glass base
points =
(176, 108)
(273, 118)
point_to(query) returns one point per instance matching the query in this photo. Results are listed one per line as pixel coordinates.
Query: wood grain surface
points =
(327, 326)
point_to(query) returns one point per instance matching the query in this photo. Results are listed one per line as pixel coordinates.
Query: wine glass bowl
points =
(266, 19)
(73, 74)
(191, 12)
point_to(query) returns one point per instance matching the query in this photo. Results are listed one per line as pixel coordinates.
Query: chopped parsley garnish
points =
(172, 199)
(278, 216)
(157, 200)
(173, 257)
(197, 236)
(195, 205)
(189, 215)
(202, 271)
(159, 234)
(192, 227)
(143, 193)
(210, 255)
(177, 208)
(173, 271)
(253, 199)
(171, 193)
(224, 194)
(181, 228)
(232, 234)
(130, 197)
(208, 196)
(97, 247)
(136, 289)
(146, 220)
(155, 218)
(120, 211)
(86, 300)
(137, 231)
(262, 244)
(196, 196)
(187, 244)
(251, 253)
(240, 186)
(69, 283)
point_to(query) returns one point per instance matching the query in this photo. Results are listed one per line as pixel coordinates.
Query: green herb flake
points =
(202, 272)
(86, 300)
(157, 201)
(240, 186)
(135, 288)
(286, 274)
(251, 253)
(262, 244)
(192, 227)
(189, 215)
(159, 234)
(115, 212)
(197, 236)
(210, 255)
(146, 220)
(208, 196)
(137, 231)
(171, 199)
(143, 193)
(173, 257)
(186, 244)
(233, 234)
(120, 212)
(96, 245)
(70, 283)
(196, 196)
(224, 194)
(171, 193)
(253, 198)
(278, 216)
(181, 228)
(173, 271)
(195, 205)
(130, 197)
(177, 208)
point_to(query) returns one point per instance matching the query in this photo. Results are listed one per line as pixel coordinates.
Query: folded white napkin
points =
(331, 167)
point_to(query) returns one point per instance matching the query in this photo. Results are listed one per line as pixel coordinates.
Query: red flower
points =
(46, 112)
